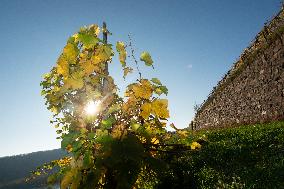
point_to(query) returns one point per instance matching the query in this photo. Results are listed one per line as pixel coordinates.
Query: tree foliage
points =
(118, 144)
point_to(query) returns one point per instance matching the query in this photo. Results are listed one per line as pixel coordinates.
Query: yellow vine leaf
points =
(129, 105)
(103, 53)
(54, 109)
(89, 67)
(183, 134)
(62, 66)
(164, 124)
(96, 60)
(68, 56)
(70, 52)
(75, 36)
(95, 28)
(158, 91)
(195, 145)
(143, 90)
(64, 161)
(119, 132)
(126, 71)
(146, 110)
(120, 48)
(122, 58)
(83, 56)
(54, 98)
(128, 90)
(75, 81)
(160, 108)
(155, 140)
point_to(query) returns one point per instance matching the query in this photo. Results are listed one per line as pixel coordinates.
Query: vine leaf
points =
(135, 126)
(88, 67)
(158, 91)
(195, 145)
(146, 110)
(126, 71)
(89, 41)
(95, 29)
(62, 66)
(155, 140)
(120, 48)
(160, 108)
(75, 81)
(156, 81)
(103, 53)
(146, 58)
(164, 89)
(143, 90)
(69, 56)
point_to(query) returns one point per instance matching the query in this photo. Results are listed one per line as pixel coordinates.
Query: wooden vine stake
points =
(105, 81)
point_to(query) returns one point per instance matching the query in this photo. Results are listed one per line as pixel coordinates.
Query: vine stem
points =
(105, 81)
(132, 55)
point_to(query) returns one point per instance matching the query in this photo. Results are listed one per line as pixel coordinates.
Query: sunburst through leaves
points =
(127, 136)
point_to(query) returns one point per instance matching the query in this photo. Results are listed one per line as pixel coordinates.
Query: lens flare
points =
(92, 107)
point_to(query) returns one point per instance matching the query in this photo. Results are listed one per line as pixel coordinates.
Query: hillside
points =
(14, 169)
(250, 156)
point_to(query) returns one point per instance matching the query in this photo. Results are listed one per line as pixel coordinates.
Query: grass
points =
(249, 156)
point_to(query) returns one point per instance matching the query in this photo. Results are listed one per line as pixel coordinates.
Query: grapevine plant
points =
(112, 141)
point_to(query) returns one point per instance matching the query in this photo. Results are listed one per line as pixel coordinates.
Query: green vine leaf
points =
(88, 41)
(156, 81)
(146, 58)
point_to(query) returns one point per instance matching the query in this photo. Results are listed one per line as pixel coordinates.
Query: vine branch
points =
(132, 55)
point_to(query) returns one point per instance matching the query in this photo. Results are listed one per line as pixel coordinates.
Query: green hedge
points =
(249, 156)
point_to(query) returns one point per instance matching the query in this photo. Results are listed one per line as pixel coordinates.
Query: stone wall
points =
(253, 90)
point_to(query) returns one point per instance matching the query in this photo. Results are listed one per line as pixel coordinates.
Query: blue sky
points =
(192, 42)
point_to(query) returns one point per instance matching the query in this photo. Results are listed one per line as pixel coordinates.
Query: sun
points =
(92, 107)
